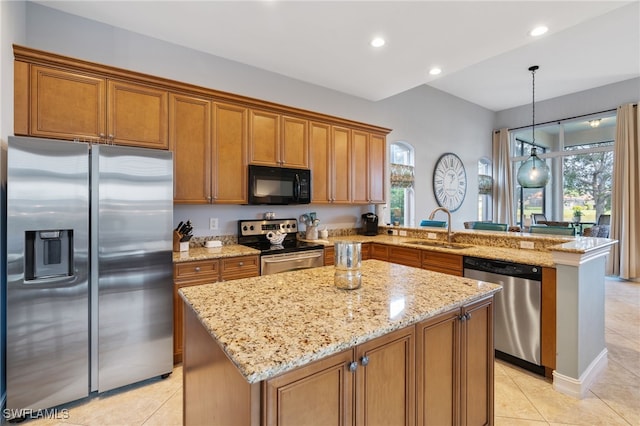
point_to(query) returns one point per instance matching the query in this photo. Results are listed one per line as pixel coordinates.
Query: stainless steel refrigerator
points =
(89, 269)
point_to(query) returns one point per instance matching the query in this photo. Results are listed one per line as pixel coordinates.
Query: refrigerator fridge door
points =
(132, 216)
(47, 273)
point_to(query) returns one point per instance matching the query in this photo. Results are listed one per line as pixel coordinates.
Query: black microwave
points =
(279, 185)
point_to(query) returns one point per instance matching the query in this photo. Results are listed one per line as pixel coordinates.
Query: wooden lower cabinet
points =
(205, 272)
(454, 367)
(329, 255)
(405, 256)
(379, 252)
(442, 262)
(373, 384)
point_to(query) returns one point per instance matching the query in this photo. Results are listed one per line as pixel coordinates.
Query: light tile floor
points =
(521, 398)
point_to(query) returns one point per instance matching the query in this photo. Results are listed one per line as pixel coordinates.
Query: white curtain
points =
(625, 199)
(503, 211)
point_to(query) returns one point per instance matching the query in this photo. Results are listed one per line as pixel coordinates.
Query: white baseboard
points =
(578, 388)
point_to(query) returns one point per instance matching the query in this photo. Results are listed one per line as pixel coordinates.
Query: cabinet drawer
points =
(239, 267)
(405, 256)
(202, 270)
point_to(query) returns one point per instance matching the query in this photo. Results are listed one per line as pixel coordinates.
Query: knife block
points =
(177, 245)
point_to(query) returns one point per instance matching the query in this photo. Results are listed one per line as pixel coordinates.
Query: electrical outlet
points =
(394, 232)
(431, 236)
(402, 233)
(526, 245)
(213, 223)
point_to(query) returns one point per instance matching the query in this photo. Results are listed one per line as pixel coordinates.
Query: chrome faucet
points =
(444, 209)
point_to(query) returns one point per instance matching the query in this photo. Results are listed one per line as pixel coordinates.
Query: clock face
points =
(449, 182)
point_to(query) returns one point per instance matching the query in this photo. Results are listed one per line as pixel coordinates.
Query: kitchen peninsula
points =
(290, 347)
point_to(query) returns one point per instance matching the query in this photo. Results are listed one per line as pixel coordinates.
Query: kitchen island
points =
(291, 348)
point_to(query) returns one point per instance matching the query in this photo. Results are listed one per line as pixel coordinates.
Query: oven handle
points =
(266, 259)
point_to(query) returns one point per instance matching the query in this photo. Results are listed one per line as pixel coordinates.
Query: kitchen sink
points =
(439, 244)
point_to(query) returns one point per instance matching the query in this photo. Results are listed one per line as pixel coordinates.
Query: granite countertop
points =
(274, 323)
(203, 253)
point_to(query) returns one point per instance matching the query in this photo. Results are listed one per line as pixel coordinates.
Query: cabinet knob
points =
(353, 366)
(364, 361)
(240, 263)
(197, 269)
(467, 316)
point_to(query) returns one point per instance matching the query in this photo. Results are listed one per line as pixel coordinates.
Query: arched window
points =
(402, 184)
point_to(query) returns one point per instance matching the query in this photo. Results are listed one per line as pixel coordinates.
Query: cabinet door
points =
(137, 115)
(477, 356)
(320, 393)
(294, 150)
(66, 105)
(405, 256)
(264, 138)
(359, 167)
(229, 154)
(341, 165)
(437, 370)
(379, 252)
(385, 380)
(446, 263)
(329, 256)
(377, 161)
(190, 142)
(320, 155)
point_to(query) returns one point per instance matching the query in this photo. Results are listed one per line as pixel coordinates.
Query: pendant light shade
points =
(534, 172)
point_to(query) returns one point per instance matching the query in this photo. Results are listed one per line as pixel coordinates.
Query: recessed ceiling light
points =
(435, 71)
(538, 31)
(377, 42)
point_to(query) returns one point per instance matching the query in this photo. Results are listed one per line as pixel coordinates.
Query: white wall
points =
(590, 101)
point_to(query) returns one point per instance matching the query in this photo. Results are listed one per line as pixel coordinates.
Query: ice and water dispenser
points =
(48, 254)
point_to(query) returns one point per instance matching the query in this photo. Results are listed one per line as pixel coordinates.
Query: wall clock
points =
(449, 181)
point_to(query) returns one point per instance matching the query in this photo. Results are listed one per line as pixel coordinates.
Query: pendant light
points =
(534, 172)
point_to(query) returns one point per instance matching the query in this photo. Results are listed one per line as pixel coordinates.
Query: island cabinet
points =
(65, 104)
(447, 263)
(205, 272)
(454, 367)
(372, 384)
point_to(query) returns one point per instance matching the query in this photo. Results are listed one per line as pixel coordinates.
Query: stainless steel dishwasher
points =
(517, 308)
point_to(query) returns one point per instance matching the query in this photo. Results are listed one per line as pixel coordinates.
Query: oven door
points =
(275, 263)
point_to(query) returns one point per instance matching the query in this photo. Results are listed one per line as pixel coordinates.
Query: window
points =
(402, 184)
(485, 187)
(580, 154)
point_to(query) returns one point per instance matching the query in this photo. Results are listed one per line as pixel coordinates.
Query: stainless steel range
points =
(290, 255)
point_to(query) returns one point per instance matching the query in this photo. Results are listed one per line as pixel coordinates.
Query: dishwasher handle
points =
(501, 267)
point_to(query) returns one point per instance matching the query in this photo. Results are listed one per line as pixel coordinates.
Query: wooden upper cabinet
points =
(341, 165)
(190, 141)
(66, 105)
(278, 140)
(359, 168)
(264, 134)
(137, 115)
(376, 163)
(229, 153)
(294, 150)
(320, 163)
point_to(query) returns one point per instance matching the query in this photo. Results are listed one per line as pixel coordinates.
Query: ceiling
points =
(482, 47)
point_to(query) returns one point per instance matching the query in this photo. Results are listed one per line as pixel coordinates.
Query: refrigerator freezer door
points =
(48, 312)
(134, 221)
